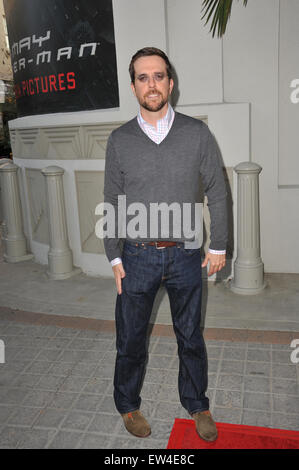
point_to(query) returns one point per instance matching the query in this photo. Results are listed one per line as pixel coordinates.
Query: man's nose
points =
(151, 82)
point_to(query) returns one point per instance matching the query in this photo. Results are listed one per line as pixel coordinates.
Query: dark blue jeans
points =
(146, 268)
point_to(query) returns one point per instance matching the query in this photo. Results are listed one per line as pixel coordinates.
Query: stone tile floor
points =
(56, 388)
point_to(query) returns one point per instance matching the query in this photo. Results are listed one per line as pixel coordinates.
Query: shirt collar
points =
(166, 120)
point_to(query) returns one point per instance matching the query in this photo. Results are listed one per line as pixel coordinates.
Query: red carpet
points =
(232, 436)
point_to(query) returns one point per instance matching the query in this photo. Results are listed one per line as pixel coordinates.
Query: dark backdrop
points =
(53, 70)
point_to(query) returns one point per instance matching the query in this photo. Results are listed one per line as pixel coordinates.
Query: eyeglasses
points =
(158, 77)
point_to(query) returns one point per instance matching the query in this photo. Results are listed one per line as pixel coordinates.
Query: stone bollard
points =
(15, 246)
(3, 231)
(60, 255)
(248, 267)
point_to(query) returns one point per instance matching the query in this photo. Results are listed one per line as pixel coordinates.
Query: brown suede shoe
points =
(136, 424)
(205, 425)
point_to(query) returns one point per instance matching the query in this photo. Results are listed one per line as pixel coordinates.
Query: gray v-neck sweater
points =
(168, 172)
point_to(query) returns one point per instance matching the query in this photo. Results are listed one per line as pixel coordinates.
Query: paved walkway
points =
(56, 384)
(26, 286)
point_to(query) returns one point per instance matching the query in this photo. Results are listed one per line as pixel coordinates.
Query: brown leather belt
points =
(162, 244)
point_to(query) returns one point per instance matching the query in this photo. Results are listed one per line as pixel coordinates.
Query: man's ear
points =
(171, 83)
(133, 88)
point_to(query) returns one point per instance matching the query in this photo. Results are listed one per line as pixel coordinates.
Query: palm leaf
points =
(221, 10)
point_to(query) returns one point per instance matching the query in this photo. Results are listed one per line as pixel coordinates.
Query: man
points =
(158, 157)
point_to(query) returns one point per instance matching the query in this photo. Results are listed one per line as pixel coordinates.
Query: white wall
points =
(251, 72)
(288, 111)
(196, 56)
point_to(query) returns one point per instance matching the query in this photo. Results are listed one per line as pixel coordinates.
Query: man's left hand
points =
(217, 262)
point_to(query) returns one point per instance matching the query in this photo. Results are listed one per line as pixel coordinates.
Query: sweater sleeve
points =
(214, 187)
(113, 187)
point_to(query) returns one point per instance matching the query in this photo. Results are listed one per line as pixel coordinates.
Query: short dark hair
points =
(145, 52)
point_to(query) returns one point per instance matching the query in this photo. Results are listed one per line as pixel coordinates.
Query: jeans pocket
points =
(131, 250)
(191, 251)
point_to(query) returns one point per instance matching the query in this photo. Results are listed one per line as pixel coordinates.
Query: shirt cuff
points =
(217, 252)
(115, 261)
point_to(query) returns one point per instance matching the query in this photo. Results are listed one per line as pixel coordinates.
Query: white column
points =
(15, 247)
(248, 268)
(60, 255)
(3, 230)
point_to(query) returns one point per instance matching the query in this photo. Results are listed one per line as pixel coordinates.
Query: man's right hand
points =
(119, 273)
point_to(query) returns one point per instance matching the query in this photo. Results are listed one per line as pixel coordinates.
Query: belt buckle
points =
(159, 247)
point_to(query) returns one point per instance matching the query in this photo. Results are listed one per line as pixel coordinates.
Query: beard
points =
(155, 106)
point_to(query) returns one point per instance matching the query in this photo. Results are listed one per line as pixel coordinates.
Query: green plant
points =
(221, 10)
